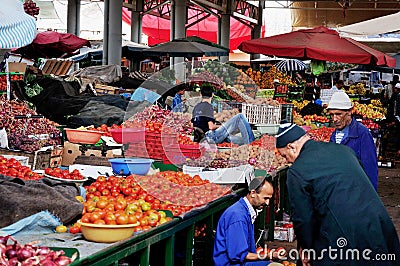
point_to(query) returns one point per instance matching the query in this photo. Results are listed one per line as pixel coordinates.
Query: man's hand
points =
(304, 259)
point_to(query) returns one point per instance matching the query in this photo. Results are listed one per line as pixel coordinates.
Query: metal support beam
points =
(73, 17)
(136, 22)
(225, 32)
(105, 31)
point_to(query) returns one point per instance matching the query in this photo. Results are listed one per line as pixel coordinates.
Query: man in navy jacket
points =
(353, 134)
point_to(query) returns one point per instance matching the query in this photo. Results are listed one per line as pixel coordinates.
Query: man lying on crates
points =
(205, 124)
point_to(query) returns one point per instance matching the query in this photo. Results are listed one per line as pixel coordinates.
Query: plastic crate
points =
(287, 112)
(175, 154)
(262, 113)
(228, 105)
(24, 160)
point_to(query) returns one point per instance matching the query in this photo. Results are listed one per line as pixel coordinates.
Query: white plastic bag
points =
(3, 139)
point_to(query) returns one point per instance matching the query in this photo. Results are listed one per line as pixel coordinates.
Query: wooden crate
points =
(104, 89)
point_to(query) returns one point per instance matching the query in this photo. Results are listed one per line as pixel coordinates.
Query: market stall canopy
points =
(380, 25)
(318, 43)
(129, 50)
(16, 27)
(51, 44)
(184, 48)
(290, 65)
(158, 29)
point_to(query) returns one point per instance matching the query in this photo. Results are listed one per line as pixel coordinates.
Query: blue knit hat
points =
(288, 133)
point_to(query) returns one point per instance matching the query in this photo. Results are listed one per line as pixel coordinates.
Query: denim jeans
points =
(238, 122)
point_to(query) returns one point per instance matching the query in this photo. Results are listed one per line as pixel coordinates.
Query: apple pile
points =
(321, 134)
(370, 124)
(316, 118)
(158, 120)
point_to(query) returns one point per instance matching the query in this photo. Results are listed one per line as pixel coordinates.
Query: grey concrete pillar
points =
(105, 31)
(115, 32)
(136, 22)
(73, 17)
(257, 29)
(178, 31)
(224, 34)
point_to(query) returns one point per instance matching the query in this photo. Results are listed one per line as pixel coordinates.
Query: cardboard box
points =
(284, 231)
(17, 67)
(71, 152)
(92, 170)
(233, 175)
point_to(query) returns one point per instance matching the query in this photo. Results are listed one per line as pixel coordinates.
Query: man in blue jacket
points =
(234, 239)
(353, 134)
(337, 215)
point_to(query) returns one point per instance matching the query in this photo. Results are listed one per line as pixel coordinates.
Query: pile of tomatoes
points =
(119, 200)
(183, 179)
(64, 174)
(181, 189)
(12, 167)
(106, 129)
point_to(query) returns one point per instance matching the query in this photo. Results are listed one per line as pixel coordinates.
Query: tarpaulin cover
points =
(185, 48)
(22, 198)
(59, 101)
(319, 43)
(107, 73)
(158, 29)
(52, 44)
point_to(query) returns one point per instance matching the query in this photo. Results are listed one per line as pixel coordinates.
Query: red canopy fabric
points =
(158, 29)
(319, 43)
(51, 44)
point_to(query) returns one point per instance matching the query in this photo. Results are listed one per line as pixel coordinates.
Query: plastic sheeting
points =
(107, 74)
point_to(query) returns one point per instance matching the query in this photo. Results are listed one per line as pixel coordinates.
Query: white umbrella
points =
(290, 65)
(17, 28)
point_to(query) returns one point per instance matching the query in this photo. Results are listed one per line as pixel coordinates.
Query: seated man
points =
(234, 239)
(203, 118)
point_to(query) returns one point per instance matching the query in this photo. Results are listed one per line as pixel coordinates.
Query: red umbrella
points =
(319, 43)
(51, 44)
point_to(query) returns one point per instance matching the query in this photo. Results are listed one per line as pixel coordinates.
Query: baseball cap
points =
(340, 101)
(256, 182)
(397, 85)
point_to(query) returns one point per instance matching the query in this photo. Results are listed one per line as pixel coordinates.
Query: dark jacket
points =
(362, 143)
(335, 206)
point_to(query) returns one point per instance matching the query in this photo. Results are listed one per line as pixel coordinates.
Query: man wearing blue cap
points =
(335, 206)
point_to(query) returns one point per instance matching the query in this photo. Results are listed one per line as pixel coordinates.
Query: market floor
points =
(388, 190)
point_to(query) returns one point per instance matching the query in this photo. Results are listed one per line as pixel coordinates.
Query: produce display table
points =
(162, 239)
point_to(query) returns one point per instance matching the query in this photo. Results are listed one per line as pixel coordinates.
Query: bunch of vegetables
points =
(17, 254)
(27, 134)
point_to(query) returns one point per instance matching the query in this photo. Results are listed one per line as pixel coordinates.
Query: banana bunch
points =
(367, 111)
(357, 89)
(300, 105)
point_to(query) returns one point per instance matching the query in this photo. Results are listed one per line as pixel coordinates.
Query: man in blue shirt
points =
(177, 100)
(234, 239)
(353, 134)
